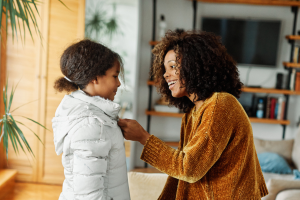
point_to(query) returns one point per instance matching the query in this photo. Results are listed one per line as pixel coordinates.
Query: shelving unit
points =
(291, 65)
(287, 65)
(256, 2)
(252, 119)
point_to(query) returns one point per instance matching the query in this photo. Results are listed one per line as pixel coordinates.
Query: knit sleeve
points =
(204, 147)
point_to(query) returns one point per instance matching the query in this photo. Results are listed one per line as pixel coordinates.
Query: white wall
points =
(179, 14)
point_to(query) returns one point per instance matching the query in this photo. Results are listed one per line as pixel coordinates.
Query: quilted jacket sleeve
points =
(90, 161)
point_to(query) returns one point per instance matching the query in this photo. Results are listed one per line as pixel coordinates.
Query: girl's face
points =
(172, 75)
(106, 86)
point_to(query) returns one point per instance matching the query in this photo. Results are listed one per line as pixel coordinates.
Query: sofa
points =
(148, 186)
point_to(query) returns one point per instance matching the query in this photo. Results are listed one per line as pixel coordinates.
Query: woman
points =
(216, 157)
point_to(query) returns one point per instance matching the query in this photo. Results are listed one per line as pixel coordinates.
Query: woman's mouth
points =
(171, 84)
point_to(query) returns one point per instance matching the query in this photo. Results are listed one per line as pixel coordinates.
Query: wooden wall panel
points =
(2, 83)
(36, 65)
(65, 27)
(22, 66)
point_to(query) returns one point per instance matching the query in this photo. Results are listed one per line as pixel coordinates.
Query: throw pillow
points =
(146, 186)
(296, 150)
(281, 147)
(276, 185)
(274, 163)
(297, 174)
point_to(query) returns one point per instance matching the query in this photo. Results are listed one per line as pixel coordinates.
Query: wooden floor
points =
(30, 191)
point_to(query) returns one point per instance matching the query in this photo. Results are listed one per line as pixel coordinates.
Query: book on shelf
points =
(277, 108)
(297, 82)
(267, 110)
(281, 108)
(296, 54)
(292, 80)
(274, 107)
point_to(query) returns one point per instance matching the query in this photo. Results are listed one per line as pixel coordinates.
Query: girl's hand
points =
(132, 130)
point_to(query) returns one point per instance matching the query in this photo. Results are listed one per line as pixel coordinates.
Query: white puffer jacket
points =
(86, 132)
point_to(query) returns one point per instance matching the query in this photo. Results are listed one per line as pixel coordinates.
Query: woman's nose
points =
(166, 74)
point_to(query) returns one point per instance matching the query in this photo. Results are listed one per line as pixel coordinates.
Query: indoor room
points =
(140, 135)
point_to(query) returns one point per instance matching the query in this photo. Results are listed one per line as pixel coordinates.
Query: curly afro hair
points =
(204, 65)
(82, 62)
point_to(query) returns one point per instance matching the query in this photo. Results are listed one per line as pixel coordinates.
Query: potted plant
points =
(21, 14)
(9, 127)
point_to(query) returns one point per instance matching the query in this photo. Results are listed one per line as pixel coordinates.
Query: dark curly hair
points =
(82, 62)
(205, 67)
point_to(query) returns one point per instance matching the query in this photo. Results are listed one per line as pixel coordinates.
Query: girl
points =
(85, 124)
(216, 158)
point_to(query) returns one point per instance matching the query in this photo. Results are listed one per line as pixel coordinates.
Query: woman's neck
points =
(198, 104)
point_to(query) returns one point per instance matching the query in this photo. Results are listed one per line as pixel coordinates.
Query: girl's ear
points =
(95, 81)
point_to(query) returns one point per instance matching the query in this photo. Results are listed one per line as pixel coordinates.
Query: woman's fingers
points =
(132, 130)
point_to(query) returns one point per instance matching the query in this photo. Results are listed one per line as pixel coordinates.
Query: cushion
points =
(297, 174)
(146, 186)
(289, 195)
(296, 150)
(272, 162)
(268, 176)
(281, 147)
(277, 185)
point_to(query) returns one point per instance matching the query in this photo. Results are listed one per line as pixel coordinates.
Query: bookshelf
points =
(252, 119)
(291, 65)
(257, 2)
(293, 37)
(288, 65)
(258, 90)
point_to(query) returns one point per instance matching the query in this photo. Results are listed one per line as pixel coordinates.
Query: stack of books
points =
(295, 76)
(274, 107)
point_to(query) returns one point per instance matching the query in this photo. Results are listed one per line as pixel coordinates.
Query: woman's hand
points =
(132, 130)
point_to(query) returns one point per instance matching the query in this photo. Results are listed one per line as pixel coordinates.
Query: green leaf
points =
(30, 130)
(9, 131)
(11, 98)
(35, 122)
(22, 105)
(64, 4)
(15, 134)
(23, 139)
(27, 10)
(24, 17)
(1, 131)
(5, 141)
(5, 96)
(12, 15)
(1, 7)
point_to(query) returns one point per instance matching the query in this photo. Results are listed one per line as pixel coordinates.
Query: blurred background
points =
(254, 34)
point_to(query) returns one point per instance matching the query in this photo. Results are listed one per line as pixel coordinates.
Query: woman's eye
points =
(173, 66)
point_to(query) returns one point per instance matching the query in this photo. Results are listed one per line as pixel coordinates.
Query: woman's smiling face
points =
(172, 75)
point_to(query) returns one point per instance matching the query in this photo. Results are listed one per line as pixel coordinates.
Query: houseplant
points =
(101, 20)
(21, 14)
(9, 128)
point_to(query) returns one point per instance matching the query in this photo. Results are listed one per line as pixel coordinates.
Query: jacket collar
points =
(109, 107)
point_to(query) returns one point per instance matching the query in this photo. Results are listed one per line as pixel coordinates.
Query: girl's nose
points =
(119, 83)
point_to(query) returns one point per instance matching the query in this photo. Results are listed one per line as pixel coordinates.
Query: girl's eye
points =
(115, 76)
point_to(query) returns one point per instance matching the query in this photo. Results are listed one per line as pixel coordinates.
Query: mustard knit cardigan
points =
(216, 158)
